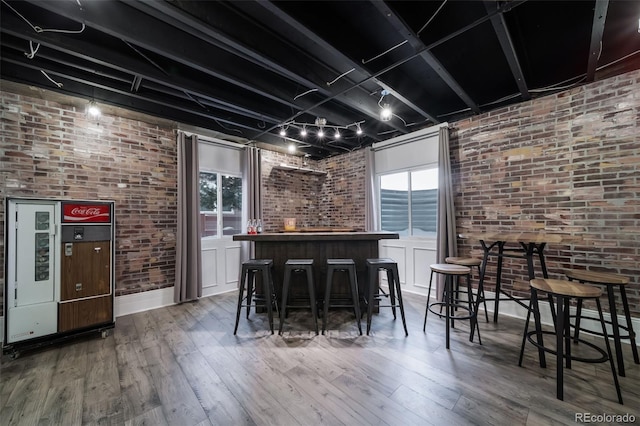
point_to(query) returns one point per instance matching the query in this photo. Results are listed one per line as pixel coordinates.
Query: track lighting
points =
(317, 128)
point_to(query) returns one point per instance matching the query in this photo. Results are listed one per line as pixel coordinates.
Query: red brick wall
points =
(335, 198)
(51, 150)
(568, 163)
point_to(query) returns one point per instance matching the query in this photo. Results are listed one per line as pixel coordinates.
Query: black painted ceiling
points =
(245, 68)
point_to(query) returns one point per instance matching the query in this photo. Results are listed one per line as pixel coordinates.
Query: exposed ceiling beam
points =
(500, 28)
(597, 29)
(343, 86)
(417, 44)
(126, 23)
(57, 46)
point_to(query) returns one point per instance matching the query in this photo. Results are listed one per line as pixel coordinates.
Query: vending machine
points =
(59, 257)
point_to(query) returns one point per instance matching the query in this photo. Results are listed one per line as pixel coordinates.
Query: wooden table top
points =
(522, 237)
(316, 236)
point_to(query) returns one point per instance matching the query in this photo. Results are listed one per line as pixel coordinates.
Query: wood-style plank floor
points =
(182, 365)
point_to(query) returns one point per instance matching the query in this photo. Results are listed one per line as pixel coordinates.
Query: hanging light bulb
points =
(358, 129)
(386, 113)
(336, 135)
(320, 133)
(292, 148)
(282, 131)
(303, 132)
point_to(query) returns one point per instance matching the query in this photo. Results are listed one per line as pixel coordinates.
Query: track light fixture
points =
(317, 128)
(386, 113)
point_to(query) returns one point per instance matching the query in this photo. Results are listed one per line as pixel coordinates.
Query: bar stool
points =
(298, 265)
(564, 291)
(610, 281)
(470, 262)
(393, 279)
(341, 265)
(450, 302)
(247, 275)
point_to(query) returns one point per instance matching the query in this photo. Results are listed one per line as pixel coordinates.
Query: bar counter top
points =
(316, 236)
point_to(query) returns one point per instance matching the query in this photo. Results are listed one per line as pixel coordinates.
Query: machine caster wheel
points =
(14, 355)
(105, 334)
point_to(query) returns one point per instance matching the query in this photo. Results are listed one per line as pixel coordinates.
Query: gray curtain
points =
(371, 202)
(188, 284)
(447, 236)
(252, 169)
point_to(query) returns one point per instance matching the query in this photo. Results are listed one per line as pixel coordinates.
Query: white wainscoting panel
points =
(209, 268)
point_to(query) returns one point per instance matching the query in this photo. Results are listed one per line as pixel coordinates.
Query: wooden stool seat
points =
(596, 277)
(564, 291)
(464, 261)
(450, 269)
(565, 288)
(610, 281)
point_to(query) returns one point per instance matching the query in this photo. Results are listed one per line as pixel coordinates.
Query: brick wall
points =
(565, 163)
(51, 150)
(334, 198)
(568, 163)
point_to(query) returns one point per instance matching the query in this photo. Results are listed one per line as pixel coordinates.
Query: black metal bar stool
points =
(341, 265)
(449, 300)
(293, 266)
(247, 276)
(564, 291)
(393, 279)
(471, 262)
(610, 281)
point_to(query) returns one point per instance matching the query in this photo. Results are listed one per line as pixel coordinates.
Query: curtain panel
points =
(251, 175)
(446, 243)
(188, 285)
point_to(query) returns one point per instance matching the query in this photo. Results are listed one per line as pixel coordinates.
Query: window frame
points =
(410, 221)
(220, 205)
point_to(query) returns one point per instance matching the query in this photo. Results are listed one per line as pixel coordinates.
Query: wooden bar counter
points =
(319, 246)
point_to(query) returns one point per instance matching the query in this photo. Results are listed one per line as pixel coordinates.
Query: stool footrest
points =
(599, 333)
(604, 357)
(470, 313)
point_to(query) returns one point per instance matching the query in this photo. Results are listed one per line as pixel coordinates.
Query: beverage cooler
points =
(59, 257)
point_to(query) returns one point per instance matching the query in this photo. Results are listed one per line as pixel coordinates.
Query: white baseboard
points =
(139, 302)
(147, 300)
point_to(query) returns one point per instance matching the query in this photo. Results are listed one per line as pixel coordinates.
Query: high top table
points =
(529, 245)
(319, 246)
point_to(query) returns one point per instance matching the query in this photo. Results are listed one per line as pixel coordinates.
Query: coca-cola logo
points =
(85, 211)
(88, 213)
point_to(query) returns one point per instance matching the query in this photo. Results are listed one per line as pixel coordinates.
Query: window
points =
(408, 202)
(216, 190)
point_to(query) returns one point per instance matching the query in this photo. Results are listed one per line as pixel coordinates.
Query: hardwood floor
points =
(182, 365)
